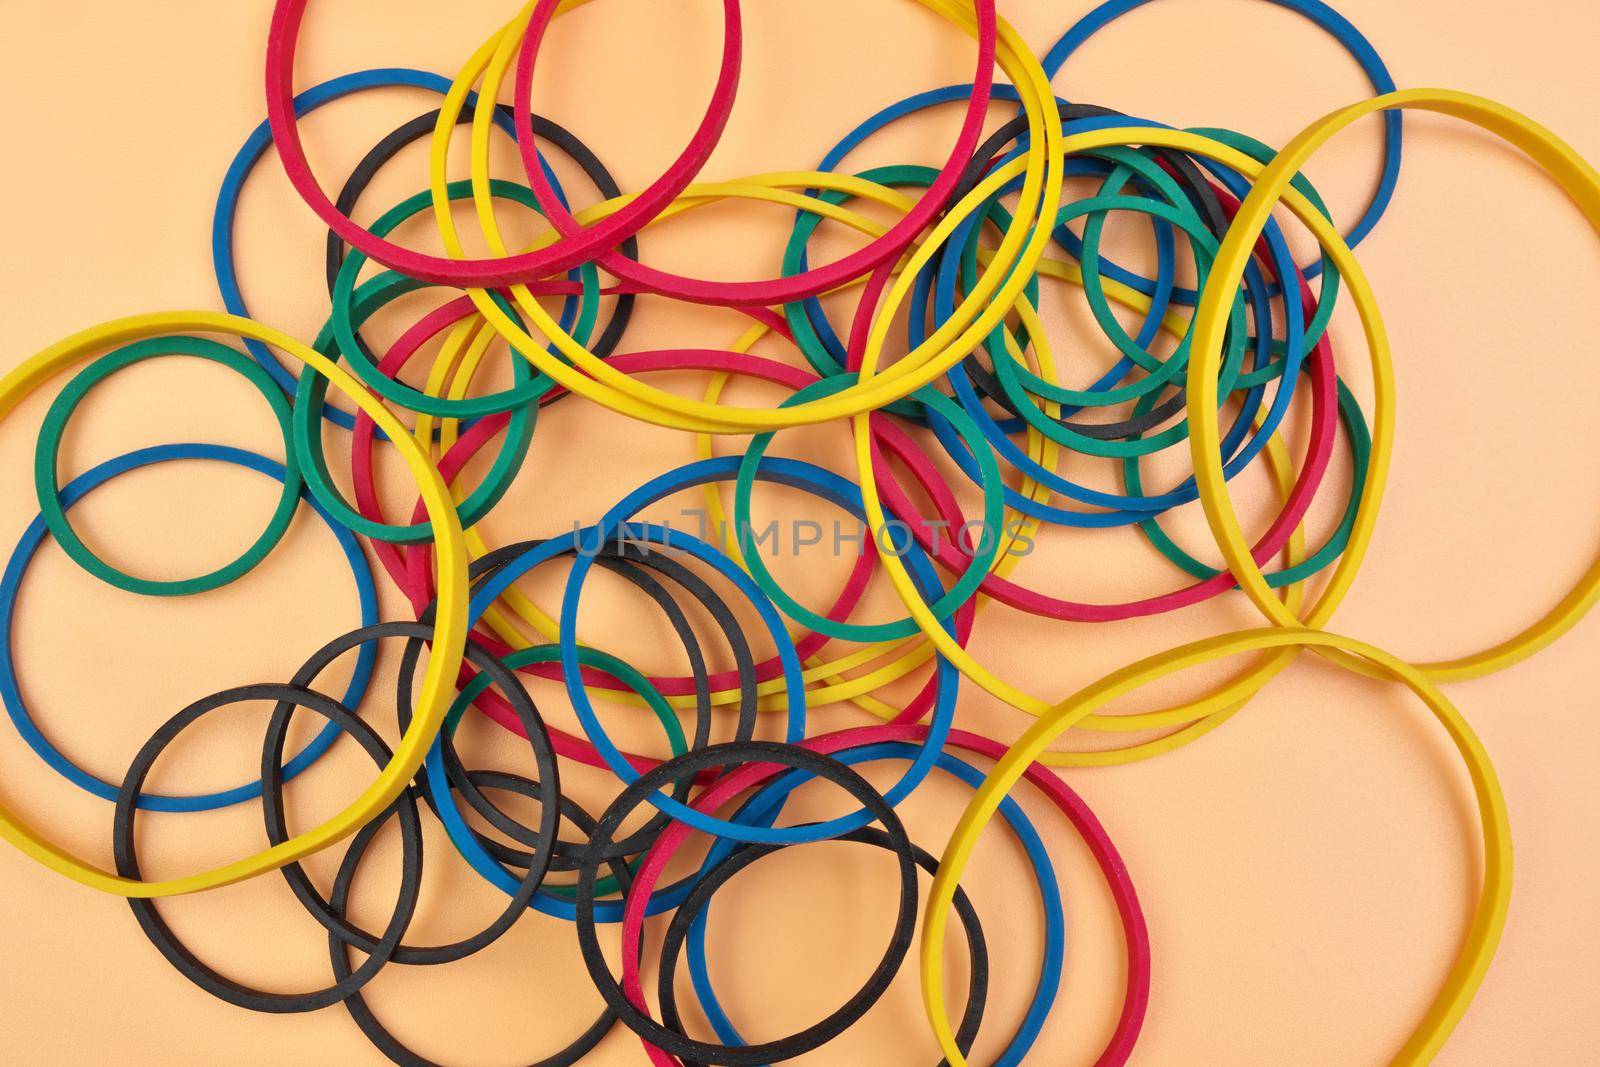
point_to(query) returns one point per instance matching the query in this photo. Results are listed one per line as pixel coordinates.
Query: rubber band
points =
(47, 458)
(1489, 916)
(531, 388)
(694, 932)
(356, 1004)
(694, 909)
(161, 935)
(574, 149)
(329, 915)
(969, 578)
(1577, 178)
(28, 547)
(788, 287)
(1203, 434)
(449, 630)
(1324, 17)
(282, 43)
(310, 397)
(255, 147)
(797, 475)
(627, 1003)
(608, 666)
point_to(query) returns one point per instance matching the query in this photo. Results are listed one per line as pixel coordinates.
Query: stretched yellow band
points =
(1489, 916)
(1576, 177)
(1227, 698)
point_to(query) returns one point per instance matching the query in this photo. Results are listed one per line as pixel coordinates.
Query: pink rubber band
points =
(573, 249)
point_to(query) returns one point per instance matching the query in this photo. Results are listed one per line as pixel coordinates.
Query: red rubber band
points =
(573, 249)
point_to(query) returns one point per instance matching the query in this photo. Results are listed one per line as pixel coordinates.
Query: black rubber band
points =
(331, 917)
(700, 897)
(375, 1031)
(703, 714)
(732, 755)
(161, 935)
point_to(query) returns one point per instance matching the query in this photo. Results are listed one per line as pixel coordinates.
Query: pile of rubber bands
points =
(945, 377)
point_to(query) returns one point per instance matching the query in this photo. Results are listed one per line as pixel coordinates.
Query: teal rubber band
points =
(311, 395)
(965, 587)
(806, 223)
(47, 456)
(1127, 163)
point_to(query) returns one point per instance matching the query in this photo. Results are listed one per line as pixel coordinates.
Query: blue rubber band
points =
(28, 545)
(1341, 30)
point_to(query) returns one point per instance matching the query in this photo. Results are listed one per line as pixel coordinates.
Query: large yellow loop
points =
(1360, 291)
(1577, 178)
(1489, 916)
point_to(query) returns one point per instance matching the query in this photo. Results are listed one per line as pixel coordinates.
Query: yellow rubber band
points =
(1349, 270)
(1489, 915)
(1577, 178)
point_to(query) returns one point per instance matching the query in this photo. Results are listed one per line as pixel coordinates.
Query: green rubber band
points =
(958, 594)
(1127, 163)
(47, 455)
(311, 394)
(1328, 294)
(398, 392)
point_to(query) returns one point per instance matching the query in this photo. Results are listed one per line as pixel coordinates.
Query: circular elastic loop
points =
(1337, 26)
(1489, 915)
(730, 755)
(282, 42)
(449, 631)
(11, 585)
(156, 928)
(47, 456)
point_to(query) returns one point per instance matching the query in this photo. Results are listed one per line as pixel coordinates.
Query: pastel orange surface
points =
(1307, 870)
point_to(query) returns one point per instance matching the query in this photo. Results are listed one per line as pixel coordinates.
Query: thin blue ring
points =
(11, 584)
(1125, 509)
(1336, 26)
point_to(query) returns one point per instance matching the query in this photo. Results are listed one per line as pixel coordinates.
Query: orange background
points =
(1307, 871)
